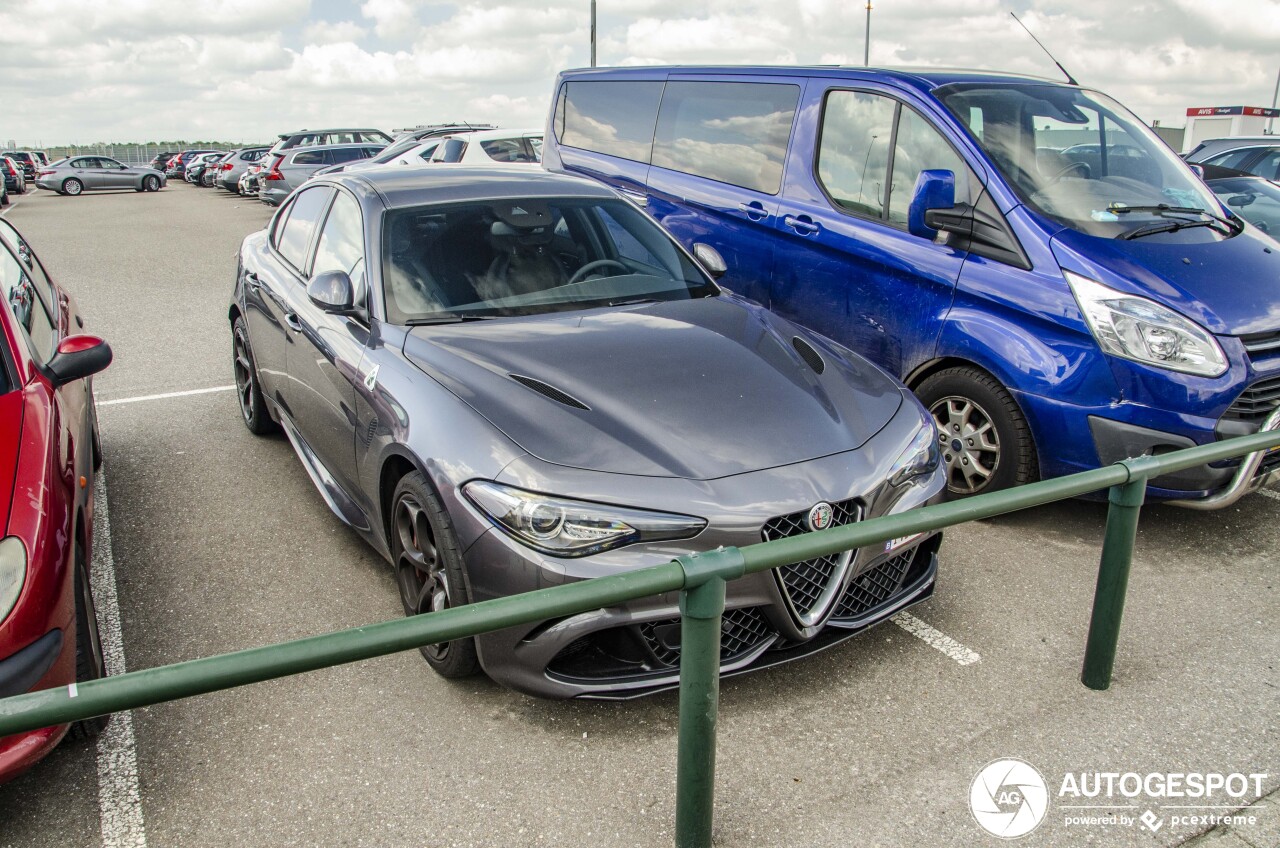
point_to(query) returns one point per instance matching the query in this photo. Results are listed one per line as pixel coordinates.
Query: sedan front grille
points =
(1257, 401)
(875, 586)
(804, 583)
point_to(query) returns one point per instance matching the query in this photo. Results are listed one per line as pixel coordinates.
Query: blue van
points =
(1058, 287)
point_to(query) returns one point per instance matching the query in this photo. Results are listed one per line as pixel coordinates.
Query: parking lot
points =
(218, 541)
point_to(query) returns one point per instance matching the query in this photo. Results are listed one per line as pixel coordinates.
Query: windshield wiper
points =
(1233, 225)
(454, 318)
(633, 301)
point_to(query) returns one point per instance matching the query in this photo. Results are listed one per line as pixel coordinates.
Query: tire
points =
(90, 663)
(253, 406)
(72, 186)
(151, 183)
(428, 564)
(4, 196)
(984, 438)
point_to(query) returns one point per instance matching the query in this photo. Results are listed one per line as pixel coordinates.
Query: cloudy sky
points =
(75, 71)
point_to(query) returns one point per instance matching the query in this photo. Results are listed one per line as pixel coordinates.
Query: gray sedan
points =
(78, 174)
(505, 381)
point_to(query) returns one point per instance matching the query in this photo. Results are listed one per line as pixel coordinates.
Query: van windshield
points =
(1079, 157)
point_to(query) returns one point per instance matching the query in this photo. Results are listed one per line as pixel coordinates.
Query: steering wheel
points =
(1085, 172)
(592, 266)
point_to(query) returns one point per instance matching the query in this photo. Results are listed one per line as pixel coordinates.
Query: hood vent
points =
(549, 391)
(811, 357)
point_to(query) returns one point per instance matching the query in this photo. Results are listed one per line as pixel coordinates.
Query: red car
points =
(48, 455)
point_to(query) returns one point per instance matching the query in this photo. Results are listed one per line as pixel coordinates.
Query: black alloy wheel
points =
(428, 565)
(253, 407)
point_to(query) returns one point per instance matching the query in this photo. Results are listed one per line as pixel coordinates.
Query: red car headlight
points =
(13, 573)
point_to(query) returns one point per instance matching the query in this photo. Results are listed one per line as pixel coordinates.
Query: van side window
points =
(920, 147)
(615, 118)
(734, 133)
(853, 156)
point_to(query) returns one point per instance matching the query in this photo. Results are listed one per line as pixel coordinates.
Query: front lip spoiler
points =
(1243, 482)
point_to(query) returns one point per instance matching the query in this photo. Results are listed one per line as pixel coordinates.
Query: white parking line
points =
(119, 801)
(166, 395)
(935, 638)
(1270, 493)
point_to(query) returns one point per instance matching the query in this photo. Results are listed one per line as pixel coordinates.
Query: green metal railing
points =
(701, 579)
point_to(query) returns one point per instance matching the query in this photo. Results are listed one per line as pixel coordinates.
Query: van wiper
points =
(448, 318)
(1231, 226)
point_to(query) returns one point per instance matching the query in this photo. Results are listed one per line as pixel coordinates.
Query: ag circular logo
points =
(820, 516)
(1008, 798)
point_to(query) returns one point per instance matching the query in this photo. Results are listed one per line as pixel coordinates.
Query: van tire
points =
(984, 438)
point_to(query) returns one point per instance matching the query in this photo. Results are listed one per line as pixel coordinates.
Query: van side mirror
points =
(77, 357)
(934, 190)
(710, 259)
(332, 291)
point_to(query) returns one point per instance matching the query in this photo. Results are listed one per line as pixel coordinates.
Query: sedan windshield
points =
(1256, 200)
(1081, 158)
(528, 256)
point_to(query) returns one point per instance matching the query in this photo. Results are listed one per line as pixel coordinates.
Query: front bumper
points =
(35, 666)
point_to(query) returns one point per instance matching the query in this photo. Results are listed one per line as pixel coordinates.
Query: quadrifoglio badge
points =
(1010, 798)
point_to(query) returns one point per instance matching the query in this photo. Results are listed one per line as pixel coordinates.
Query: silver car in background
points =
(78, 174)
(238, 162)
(289, 169)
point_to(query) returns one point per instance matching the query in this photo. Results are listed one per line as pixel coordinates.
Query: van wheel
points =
(984, 438)
(90, 662)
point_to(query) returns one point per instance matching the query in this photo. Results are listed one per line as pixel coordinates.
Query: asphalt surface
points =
(220, 542)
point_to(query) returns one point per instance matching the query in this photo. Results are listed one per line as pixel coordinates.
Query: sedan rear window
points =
(528, 256)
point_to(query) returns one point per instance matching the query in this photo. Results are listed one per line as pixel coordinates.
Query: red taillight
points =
(227, 166)
(46, 173)
(273, 173)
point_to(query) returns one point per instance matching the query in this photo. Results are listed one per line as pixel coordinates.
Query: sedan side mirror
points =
(934, 190)
(332, 291)
(77, 357)
(1197, 169)
(710, 259)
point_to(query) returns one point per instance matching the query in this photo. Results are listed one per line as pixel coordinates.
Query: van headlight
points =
(567, 528)
(1135, 328)
(13, 573)
(919, 457)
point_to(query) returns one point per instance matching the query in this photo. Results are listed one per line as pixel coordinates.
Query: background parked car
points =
(288, 170)
(196, 166)
(488, 146)
(14, 177)
(161, 160)
(1253, 198)
(407, 143)
(178, 164)
(248, 184)
(96, 173)
(27, 161)
(331, 137)
(48, 443)
(42, 156)
(1258, 155)
(4, 193)
(236, 163)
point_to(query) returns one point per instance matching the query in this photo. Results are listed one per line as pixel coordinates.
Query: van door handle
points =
(635, 196)
(802, 224)
(754, 210)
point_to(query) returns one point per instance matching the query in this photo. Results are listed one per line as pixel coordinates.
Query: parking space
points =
(218, 541)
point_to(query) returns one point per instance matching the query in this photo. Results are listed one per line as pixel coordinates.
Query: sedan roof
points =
(461, 183)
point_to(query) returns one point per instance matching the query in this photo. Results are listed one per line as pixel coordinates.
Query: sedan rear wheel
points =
(72, 186)
(428, 565)
(253, 407)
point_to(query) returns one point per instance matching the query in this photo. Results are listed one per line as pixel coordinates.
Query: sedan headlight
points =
(918, 458)
(13, 573)
(1139, 329)
(568, 528)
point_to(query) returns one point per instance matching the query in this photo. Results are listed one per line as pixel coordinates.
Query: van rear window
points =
(734, 133)
(612, 117)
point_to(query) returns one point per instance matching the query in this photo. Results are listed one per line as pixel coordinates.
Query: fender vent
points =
(811, 357)
(549, 391)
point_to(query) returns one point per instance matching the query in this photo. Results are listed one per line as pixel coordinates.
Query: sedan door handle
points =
(802, 224)
(294, 322)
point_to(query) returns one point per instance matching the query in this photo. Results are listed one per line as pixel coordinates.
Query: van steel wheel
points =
(983, 436)
(428, 567)
(72, 186)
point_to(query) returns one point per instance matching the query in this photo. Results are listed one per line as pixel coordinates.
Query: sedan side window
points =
(43, 286)
(295, 238)
(1232, 158)
(341, 246)
(853, 156)
(20, 293)
(1269, 165)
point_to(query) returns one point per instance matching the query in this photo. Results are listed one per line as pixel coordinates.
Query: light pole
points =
(593, 33)
(866, 50)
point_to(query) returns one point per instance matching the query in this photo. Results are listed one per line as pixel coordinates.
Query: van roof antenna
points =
(1070, 78)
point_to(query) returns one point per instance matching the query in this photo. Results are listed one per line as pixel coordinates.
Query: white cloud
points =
(328, 32)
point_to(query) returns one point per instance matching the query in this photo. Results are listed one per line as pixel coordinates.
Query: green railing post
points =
(701, 613)
(1113, 576)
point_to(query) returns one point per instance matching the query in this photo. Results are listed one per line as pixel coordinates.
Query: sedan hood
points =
(697, 389)
(10, 439)
(1229, 286)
